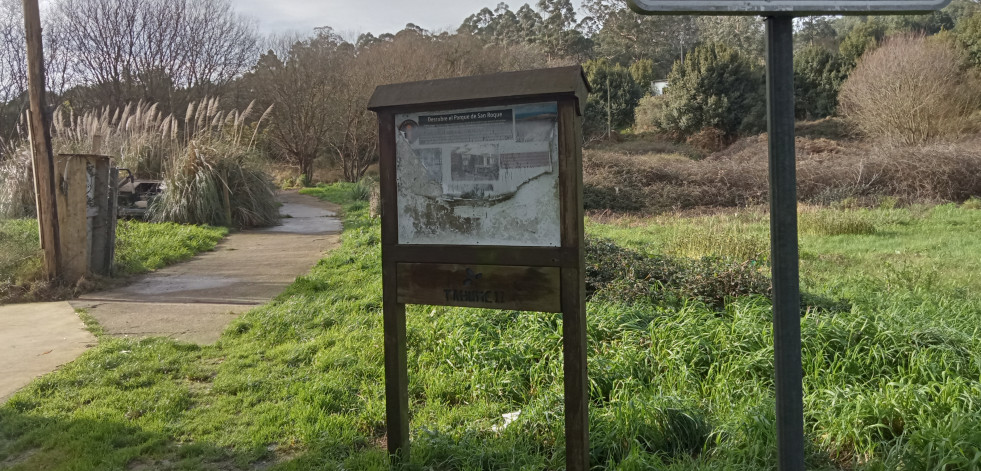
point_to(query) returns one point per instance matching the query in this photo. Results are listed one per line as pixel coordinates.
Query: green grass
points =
(140, 247)
(20, 249)
(892, 371)
(892, 342)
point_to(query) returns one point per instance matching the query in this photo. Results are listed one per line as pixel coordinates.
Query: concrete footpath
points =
(192, 301)
(35, 339)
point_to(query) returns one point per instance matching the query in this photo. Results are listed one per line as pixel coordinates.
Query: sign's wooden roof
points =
(545, 83)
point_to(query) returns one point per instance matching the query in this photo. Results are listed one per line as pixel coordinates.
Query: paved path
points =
(35, 339)
(192, 301)
(195, 300)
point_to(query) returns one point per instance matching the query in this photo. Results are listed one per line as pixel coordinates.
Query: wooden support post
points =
(573, 292)
(396, 367)
(44, 174)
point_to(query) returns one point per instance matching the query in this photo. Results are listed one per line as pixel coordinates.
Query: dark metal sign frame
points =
(784, 250)
(785, 7)
(536, 278)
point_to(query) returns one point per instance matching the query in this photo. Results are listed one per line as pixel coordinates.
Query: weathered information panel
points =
(481, 206)
(479, 176)
(790, 7)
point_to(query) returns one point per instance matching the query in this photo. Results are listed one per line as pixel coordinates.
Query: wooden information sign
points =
(481, 190)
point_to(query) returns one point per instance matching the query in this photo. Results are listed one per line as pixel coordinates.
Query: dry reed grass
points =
(153, 146)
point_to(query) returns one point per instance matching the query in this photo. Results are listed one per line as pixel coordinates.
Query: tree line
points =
(106, 53)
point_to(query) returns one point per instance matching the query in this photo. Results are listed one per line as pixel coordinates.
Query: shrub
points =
(216, 180)
(618, 274)
(614, 97)
(643, 73)
(911, 90)
(714, 87)
(709, 140)
(597, 197)
(361, 191)
(17, 198)
(155, 146)
(137, 136)
(967, 34)
(817, 78)
(648, 111)
(218, 187)
(861, 38)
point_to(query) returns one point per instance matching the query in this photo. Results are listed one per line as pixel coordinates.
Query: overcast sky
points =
(349, 17)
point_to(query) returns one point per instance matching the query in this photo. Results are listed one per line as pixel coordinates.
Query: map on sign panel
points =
(479, 176)
(799, 7)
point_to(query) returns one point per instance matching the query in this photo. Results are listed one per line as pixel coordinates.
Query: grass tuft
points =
(834, 223)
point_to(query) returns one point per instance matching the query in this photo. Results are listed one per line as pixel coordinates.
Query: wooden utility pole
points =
(44, 171)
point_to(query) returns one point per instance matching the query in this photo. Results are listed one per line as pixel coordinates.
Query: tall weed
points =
(17, 198)
(715, 237)
(836, 222)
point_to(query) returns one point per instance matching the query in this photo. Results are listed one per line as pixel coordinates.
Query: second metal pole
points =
(783, 243)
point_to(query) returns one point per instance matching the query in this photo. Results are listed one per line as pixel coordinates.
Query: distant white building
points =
(658, 87)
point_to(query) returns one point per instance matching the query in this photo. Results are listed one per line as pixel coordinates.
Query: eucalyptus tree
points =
(624, 37)
(743, 34)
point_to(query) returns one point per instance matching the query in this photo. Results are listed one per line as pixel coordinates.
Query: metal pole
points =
(783, 243)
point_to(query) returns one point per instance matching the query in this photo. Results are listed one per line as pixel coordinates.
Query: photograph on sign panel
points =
(477, 171)
(475, 163)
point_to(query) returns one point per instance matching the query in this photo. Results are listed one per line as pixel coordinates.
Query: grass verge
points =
(140, 247)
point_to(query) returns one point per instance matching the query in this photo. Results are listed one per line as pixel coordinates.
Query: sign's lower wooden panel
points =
(485, 286)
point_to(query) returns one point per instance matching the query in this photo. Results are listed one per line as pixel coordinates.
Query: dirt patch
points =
(18, 458)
